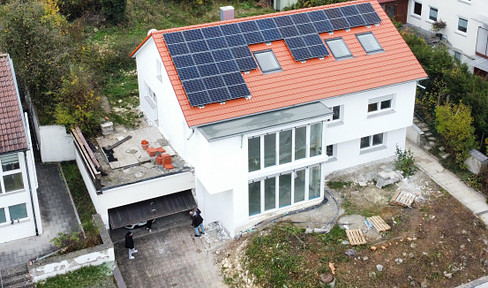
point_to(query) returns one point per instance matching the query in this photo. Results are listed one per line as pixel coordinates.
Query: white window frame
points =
(328, 41)
(332, 156)
(338, 121)
(379, 110)
(413, 9)
(371, 147)
(374, 38)
(3, 191)
(268, 53)
(436, 14)
(458, 25)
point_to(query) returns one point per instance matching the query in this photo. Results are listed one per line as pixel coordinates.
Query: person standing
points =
(149, 225)
(129, 244)
(197, 222)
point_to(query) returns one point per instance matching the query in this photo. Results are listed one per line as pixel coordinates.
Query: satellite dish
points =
(151, 31)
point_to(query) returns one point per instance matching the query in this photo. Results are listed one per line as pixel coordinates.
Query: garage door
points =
(151, 209)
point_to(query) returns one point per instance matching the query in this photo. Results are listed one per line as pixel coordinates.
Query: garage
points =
(151, 209)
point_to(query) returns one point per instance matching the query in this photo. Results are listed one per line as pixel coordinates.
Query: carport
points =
(151, 209)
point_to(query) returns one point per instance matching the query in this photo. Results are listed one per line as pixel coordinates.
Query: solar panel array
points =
(209, 60)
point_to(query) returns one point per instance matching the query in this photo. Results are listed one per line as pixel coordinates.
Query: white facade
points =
(466, 26)
(222, 174)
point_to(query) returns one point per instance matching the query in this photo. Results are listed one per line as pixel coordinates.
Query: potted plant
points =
(438, 25)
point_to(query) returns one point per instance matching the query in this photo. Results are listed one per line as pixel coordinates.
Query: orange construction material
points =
(152, 151)
(144, 144)
(166, 161)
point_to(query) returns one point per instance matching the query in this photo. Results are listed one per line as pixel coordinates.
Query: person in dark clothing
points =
(129, 244)
(197, 222)
(149, 225)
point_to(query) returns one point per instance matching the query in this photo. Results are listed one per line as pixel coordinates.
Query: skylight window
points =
(369, 43)
(339, 48)
(267, 61)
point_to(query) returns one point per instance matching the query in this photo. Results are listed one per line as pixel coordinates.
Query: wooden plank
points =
(404, 199)
(356, 237)
(378, 223)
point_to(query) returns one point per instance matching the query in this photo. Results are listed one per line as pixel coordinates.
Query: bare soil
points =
(436, 243)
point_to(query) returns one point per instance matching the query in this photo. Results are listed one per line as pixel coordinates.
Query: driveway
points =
(170, 256)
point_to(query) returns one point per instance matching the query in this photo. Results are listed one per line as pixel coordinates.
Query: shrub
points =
(405, 161)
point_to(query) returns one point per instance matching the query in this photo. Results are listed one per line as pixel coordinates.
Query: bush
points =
(405, 162)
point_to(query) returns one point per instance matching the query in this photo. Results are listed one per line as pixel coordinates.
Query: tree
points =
(114, 10)
(454, 124)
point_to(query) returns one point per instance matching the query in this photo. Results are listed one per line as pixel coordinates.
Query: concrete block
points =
(384, 178)
(476, 162)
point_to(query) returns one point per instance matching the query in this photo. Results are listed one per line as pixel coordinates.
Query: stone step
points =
(16, 277)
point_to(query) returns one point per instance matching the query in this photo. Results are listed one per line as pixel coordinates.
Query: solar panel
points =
(318, 51)
(333, 13)
(271, 35)
(318, 15)
(183, 61)
(230, 29)
(198, 98)
(365, 8)
(212, 32)
(233, 78)
(219, 94)
(349, 10)
(295, 42)
(227, 66)
(188, 73)
(197, 46)
(216, 43)
(248, 26)
(339, 24)
(222, 55)
(283, 21)
(289, 31)
(192, 86)
(266, 23)
(246, 64)
(208, 70)
(235, 40)
(312, 39)
(306, 29)
(173, 38)
(371, 18)
(241, 52)
(239, 91)
(301, 54)
(213, 82)
(355, 21)
(300, 18)
(254, 37)
(178, 49)
(203, 58)
(323, 26)
(192, 35)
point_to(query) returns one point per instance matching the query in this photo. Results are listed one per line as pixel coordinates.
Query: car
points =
(137, 225)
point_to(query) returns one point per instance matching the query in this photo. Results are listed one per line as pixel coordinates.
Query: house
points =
(19, 208)
(466, 28)
(397, 9)
(264, 108)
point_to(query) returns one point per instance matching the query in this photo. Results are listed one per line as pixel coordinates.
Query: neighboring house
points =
(19, 207)
(264, 107)
(466, 28)
(397, 9)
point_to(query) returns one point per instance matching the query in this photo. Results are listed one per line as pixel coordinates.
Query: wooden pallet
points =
(378, 223)
(404, 199)
(356, 237)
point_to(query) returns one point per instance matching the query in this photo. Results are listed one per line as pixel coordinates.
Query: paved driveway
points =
(170, 258)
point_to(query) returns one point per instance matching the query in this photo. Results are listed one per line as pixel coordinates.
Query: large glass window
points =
(339, 48)
(285, 190)
(379, 104)
(433, 14)
(371, 141)
(417, 8)
(13, 182)
(267, 61)
(254, 154)
(17, 211)
(254, 198)
(10, 162)
(3, 219)
(314, 182)
(369, 42)
(315, 139)
(10, 174)
(285, 146)
(299, 194)
(269, 150)
(463, 25)
(270, 193)
(300, 142)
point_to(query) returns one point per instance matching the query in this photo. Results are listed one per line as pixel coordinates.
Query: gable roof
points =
(12, 133)
(301, 83)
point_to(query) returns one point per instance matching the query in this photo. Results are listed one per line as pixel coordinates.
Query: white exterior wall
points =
(221, 167)
(55, 144)
(25, 227)
(475, 11)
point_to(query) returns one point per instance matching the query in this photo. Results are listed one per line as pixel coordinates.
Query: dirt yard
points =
(436, 243)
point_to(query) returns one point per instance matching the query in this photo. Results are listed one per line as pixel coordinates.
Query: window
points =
(267, 61)
(269, 194)
(463, 25)
(11, 175)
(371, 141)
(337, 113)
(314, 175)
(18, 212)
(457, 55)
(285, 190)
(254, 154)
(369, 43)
(269, 150)
(315, 139)
(417, 8)
(285, 146)
(433, 14)
(254, 198)
(339, 48)
(3, 219)
(379, 104)
(481, 42)
(299, 185)
(330, 150)
(300, 142)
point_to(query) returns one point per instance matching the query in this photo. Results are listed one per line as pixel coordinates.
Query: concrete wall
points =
(414, 134)
(93, 256)
(55, 144)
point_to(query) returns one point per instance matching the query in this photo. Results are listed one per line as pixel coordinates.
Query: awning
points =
(151, 209)
(266, 120)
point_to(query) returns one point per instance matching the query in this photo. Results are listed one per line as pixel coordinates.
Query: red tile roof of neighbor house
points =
(313, 80)
(385, 1)
(12, 133)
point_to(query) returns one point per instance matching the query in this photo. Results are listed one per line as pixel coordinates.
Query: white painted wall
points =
(475, 11)
(55, 144)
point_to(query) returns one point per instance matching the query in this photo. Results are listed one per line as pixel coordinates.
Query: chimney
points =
(226, 13)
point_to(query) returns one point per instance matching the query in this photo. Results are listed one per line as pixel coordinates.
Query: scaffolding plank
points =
(378, 223)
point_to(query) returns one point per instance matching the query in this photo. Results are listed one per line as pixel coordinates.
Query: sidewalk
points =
(470, 198)
(57, 215)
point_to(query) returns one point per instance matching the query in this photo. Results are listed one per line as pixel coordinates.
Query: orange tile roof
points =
(313, 80)
(12, 133)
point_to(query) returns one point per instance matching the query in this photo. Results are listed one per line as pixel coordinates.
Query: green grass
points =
(90, 276)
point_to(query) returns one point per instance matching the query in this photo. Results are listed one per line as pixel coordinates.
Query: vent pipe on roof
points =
(226, 13)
